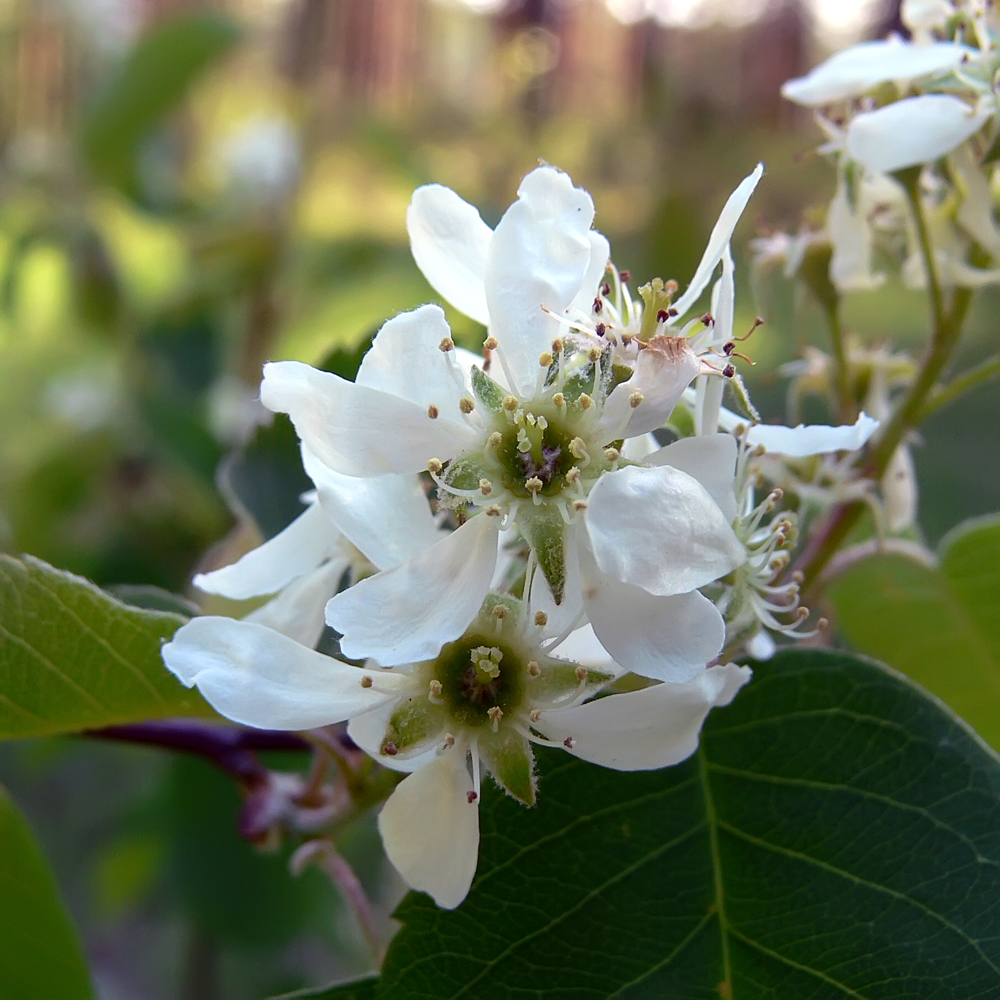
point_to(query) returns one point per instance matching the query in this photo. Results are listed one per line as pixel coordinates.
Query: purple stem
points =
(230, 748)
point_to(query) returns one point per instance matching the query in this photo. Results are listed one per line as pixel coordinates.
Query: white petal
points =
(357, 430)
(387, 517)
(600, 254)
(761, 646)
(639, 448)
(976, 215)
(256, 676)
(406, 614)
(721, 235)
(709, 458)
(812, 439)
(666, 638)
(583, 646)
(641, 730)
(659, 529)
(539, 256)
(662, 372)
(406, 360)
(852, 239)
(449, 242)
(914, 130)
(851, 72)
(299, 610)
(368, 731)
(299, 548)
(430, 830)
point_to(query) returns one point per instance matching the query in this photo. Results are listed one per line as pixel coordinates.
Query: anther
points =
(545, 359)
(671, 287)
(708, 319)
(491, 343)
(466, 404)
(557, 345)
(579, 505)
(449, 741)
(366, 681)
(729, 371)
(572, 475)
(798, 576)
(435, 466)
(535, 714)
(485, 487)
(493, 510)
(446, 345)
(495, 439)
(433, 411)
(495, 714)
(533, 668)
(541, 618)
(661, 316)
(822, 624)
(612, 454)
(581, 673)
(434, 689)
(586, 402)
(499, 611)
(777, 493)
(510, 403)
(577, 448)
(635, 399)
(569, 743)
(471, 796)
(626, 276)
(600, 329)
(672, 312)
(533, 485)
(605, 289)
(594, 354)
(390, 749)
(598, 305)
(559, 400)
(802, 613)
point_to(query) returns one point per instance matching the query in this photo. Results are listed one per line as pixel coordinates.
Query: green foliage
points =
(72, 657)
(937, 625)
(152, 82)
(40, 955)
(361, 989)
(834, 836)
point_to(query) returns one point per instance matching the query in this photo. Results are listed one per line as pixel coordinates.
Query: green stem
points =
(947, 394)
(845, 400)
(946, 329)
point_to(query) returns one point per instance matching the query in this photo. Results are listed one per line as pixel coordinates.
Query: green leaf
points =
(40, 955)
(151, 82)
(834, 836)
(72, 657)
(938, 625)
(360, 989)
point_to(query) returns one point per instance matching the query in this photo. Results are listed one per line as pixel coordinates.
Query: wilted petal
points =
(666, 638)
(663, 370)
(256, 676)
(812, 439)
(659, 529)
(302, 546)
(299, 610)
(914, 130)
(539, 256)
(387, 517)
(641, 730)
(721, 235)
(430, 829)
(355, 429)
(449, 242)
(406, 614)
(851, 72)
(709, 458)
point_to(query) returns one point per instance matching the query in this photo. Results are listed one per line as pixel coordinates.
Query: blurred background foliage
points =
(190, 188)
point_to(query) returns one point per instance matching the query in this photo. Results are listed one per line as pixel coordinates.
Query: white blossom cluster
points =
(499, 538)
(928, 103)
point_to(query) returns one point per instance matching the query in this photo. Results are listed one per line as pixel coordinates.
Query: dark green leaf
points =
(360, 989)
(153, 81)
(40, 955)
(72, 657)
(835, 836)
(939, 625)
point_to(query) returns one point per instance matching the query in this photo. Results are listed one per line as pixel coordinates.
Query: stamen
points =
(495, 440)
(434, 692)
(534, 670)
(541, 618)
(581, 673)
(485, 487)
(493, 510)
(471, 796)
(559, 400)
(491, 343)
(435, 466)
(433, 412)
(495, 714)
(390, 749)
(535, 714)
(635, 399)
(612, 454)
(579, 505)
(586, 402)
(545, 359)
(449, 741)
(366, 681)
(594, 354)
(510, 403)
(569, 743)
(446, 345)
(466, 405)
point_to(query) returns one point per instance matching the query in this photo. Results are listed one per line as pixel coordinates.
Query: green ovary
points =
(478, 674)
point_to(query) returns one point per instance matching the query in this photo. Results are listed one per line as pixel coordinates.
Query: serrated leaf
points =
(72, 657)
(40, 955)
(940, 626)
(360, 989)
(834, 836)
(152, 81)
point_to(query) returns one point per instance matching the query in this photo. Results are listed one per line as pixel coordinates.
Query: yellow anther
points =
(495, 715)
(495, 439)
(572, 475)
(492, 511)
(447, 344)
(594, 354)
(435, 466)
(541, 618)
(535, 714)
(435, 689)
(612, 454)
(578, 449)
(433, 412)
(545, 359)
(585, 401)
(491, 343)
(533, 668)
(533, 485)
(466, 404)
(510, 403)
(485, 487)
(581, 673)
(499, 611)
(449, 741)
(635, 399)
(366, 681)
(559, 400)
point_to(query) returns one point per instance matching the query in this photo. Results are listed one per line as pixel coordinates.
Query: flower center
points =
(477, 678)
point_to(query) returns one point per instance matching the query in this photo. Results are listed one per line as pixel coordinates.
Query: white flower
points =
(479, 704)
(532, 439)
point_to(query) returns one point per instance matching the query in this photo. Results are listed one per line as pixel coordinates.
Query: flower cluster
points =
(927, 105)
(499, 538)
